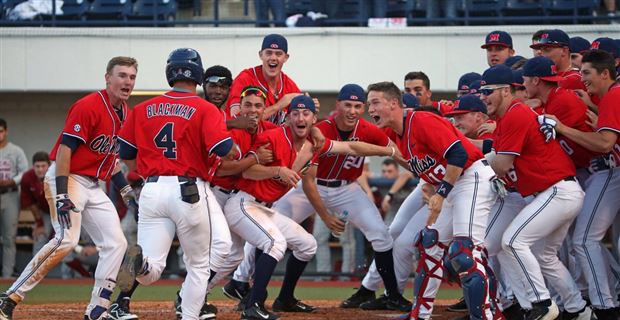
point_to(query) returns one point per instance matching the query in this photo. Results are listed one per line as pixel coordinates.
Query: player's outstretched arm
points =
(312, 193)
(281, 104)
(359, 148)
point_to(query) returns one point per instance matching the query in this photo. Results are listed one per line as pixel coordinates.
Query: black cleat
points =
(236, 290)
(460, 306)
(360, 296)
(605, 314)
(120, 311)
(291, 306)
(207, 312)
(132, 266)
(514, 312)
(258, 312)
(380, 303)
(583, 314)
(397, 302)
(6, 307)
(544, 310)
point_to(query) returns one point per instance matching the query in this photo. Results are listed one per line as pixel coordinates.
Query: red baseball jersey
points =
(32, 192)
(444, 108)
(93, 121)
(174, 134)
(538, 165)
(254, 77)
(284, 155)
(572, 80)
(244, 141)
(347, 167)
(609, 117)
(426, 139)
(571, 111)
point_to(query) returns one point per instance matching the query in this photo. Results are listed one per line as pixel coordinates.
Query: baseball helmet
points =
(184, 64)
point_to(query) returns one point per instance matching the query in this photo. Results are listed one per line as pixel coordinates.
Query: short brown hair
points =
(41, 156)
(121, 61)
(389, 89)
(600, 60)
(419, 75)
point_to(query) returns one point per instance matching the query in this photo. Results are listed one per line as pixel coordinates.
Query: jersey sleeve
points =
(79, 121)
(567, 111)
(127, 138)
(609, 114)
(513, 132)
(437, 133)
(327, 146)
(217, 138)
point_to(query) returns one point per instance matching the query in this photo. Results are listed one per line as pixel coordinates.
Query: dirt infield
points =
(164, 311)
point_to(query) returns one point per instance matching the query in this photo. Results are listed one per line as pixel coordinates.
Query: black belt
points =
(485, 162)
(265, 203)
(332, 183)
(222, 190)
(7, 190)
(573, 178)
(180, 178)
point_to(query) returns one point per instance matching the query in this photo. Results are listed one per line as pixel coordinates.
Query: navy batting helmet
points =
(184, 64)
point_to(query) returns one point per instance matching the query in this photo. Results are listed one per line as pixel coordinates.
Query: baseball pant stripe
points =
(271, 239)
(473, 205)
(514, 237)
(587, 231)
(494, 218)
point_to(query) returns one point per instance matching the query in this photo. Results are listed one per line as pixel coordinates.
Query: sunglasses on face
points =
(489, 91)
(254, 91)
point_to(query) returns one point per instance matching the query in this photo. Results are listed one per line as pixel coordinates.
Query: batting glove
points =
(499, 186)
(130, 198)
(547, 127)
(64, 206)
(600, 163)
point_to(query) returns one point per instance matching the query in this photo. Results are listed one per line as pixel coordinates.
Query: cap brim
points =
(501, 44)
(516, 84)
(455, 112)
(542, 45)
(552, 78)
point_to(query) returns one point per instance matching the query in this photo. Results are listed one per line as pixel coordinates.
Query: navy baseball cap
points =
(275, 41)
(410, 100)
(541, 67)
(552, 38)
(517, 75)
(475, 86)
(466, 79)
(606, 44)
(512, 60)
(578, 44)
(497, 75)
(352, 92)
(468, 103)
(497, 38)
(302, 102)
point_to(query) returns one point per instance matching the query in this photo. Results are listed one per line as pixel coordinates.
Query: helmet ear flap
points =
(184, 64)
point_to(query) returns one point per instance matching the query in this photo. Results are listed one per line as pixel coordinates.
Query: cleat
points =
(236, 290)
(605, 314)
(6, 307)
(132, 266)
(177, 307)
(460, 306)
(544, 310)
(291, 306)
(584, 314)
(398, 303)
(120, 311)
(258, 312)
(360, 296)
(207, 312)
(514, 312)
(380, 303)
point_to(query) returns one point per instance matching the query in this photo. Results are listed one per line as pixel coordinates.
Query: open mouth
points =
(125, 90)
(273, 66)
(376, 118)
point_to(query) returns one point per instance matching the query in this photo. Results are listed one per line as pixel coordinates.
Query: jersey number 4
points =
(165, 140)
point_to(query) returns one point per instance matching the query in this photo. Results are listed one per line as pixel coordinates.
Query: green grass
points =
(53, 293)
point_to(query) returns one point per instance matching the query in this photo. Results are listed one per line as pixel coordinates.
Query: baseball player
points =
(544, 171)
(577, 46)
(167, 138)
(464, 82)
(418, 84)
(85, 153)
(498, 45)
(601, 204)
(279, 87)
(438, 153)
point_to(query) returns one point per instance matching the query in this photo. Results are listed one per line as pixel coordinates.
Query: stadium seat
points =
(110, 9)
(400, 8)
(483, 8)
(522, 8)
(71, 10)
(572, 8)
(8, 5)
(294, 7)
(145, 9)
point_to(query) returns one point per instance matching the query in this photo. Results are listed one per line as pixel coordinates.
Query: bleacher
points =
(350, 12)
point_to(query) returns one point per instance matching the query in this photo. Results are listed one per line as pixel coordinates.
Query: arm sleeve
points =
(70, 141)
(456, 155)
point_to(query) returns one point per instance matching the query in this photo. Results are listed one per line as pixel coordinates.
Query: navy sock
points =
(385, 267)
(213, 273)
(122, 295)
(265, 265)
(257, 253)
(294, 269)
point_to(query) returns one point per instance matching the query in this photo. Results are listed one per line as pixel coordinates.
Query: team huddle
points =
(500, 206)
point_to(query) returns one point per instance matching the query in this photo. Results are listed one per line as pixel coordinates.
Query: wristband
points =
(255, 156)
(119, 180)
(61, 184)
(444, 188)
(393, 152)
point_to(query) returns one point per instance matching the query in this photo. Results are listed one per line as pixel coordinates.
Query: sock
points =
(257, 253)
(122, 295)
(265, 265)
(385, 267)
(294, 269)
(212, 275)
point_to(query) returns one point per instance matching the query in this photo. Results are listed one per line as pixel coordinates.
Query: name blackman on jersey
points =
(167, 109)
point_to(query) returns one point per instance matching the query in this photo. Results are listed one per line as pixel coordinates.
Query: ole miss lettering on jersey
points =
(425, 141)
(571, 111)
(173, 134)
(347, 167)
(609, 117)
(284, 155)
(244, 141)
(96, 124)
(254, 77)
(538, 165)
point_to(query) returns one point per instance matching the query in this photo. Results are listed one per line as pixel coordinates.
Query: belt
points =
(265, 203)
(332, 183)
(572, 178)
(180, 178)
(485, 162)
(222, 190)
(7, 190)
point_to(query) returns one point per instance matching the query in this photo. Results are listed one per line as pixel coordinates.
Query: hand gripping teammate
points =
(167, 138)
(438, 153)
(85, 152)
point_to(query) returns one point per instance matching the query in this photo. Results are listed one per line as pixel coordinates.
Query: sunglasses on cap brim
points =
(217, 79)
(253, 91)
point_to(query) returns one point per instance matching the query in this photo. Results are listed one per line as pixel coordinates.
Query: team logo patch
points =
(354, 97)
(494, 37)
(77, 128)
(301, 106)
(554, 69)
(274, 46)
(544, 36)
(595, 45)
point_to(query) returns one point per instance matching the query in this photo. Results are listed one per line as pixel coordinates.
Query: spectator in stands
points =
(33, 199)
(397, 192)
(577, 46)
(13, 164)
(610, 5)
(435, 9)
(535, 39)
(277, 9)
(498, 45)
